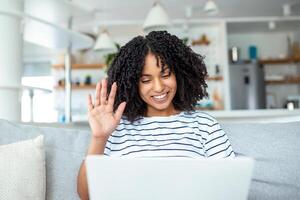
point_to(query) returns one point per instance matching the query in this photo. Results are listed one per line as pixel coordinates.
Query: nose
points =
(158, 85)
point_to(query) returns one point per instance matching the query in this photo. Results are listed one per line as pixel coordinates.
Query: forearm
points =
(96, 147)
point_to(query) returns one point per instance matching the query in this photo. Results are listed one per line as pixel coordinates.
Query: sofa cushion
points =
(65, 150)
(22, 170)
(276, 150)
(274, 146)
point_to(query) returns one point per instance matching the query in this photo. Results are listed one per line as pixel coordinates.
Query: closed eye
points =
(166, 75)
(145, 81)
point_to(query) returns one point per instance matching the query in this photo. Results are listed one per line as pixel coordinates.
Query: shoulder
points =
(200, 116)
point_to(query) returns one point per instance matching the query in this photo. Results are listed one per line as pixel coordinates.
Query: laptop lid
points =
(121, 178)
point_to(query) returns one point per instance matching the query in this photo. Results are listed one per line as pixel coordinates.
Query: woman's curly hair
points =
(126, 69)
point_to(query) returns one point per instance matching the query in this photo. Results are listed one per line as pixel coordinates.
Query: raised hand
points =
(102, 119)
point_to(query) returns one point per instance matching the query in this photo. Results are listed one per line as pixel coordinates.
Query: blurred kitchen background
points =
(53, 52)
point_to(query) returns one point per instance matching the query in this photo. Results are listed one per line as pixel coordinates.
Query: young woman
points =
(146, 107)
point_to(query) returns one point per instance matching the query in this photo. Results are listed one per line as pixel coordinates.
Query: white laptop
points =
(111, 178)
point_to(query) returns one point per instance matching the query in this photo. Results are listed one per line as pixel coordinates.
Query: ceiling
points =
(89, 14)
(126, 17)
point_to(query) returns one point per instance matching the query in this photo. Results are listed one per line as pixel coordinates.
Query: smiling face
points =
(157, 88)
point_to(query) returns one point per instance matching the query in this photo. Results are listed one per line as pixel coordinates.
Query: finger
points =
(97, 100)
(90, 103)
(103, 92)
(120, 111)
(112, 94)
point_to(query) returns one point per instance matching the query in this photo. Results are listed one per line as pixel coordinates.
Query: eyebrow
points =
(166, 71)
(145, 75)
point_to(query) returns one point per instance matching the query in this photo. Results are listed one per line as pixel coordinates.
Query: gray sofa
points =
(275, 147)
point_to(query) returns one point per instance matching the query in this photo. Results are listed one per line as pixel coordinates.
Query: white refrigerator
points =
(247, 86)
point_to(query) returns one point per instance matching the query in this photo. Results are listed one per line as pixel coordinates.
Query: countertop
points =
(260, 115)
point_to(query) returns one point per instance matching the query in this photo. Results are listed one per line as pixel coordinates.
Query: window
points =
(37, 100)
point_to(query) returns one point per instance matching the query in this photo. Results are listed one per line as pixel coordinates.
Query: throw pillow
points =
(22, 170)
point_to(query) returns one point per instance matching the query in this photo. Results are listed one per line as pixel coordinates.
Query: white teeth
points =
(160, 96)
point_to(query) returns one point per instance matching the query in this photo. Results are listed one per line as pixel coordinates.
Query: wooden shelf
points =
(77, 87)
(280, 61)
(215, 78)
(285, 81)
(81, 66)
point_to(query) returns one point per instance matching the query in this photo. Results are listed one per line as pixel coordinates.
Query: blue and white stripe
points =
(193, 134)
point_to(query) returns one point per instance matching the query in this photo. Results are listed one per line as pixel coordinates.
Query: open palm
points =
(102, 118)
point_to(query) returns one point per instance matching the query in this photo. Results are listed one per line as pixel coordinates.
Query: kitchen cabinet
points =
(281, 70)
(287, 79)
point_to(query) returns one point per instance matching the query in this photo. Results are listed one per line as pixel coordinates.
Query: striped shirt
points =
(187, 134)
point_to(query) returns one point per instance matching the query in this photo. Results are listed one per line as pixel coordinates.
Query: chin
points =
(161, 107)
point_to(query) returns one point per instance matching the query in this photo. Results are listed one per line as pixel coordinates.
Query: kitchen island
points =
(259, 115)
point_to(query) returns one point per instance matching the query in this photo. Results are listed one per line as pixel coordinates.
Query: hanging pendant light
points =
(211, 8)
(105, 43)
(157, 18)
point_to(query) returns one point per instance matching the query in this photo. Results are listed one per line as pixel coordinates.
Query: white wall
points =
(269, 44)
(213, 53)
